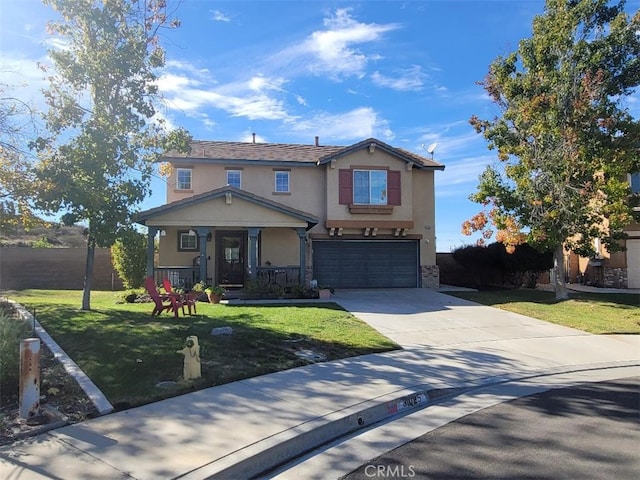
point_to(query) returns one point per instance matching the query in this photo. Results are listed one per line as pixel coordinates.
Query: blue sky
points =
(404, 72)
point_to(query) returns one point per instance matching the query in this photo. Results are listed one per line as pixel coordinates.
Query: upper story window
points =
(282, 181)
(370, 187)
(360, 186)
(183, 179)
(234, 178)
(635, 182)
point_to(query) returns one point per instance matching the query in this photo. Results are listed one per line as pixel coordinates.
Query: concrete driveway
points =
(422, 320)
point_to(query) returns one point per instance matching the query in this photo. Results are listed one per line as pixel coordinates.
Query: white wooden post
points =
(29, 394)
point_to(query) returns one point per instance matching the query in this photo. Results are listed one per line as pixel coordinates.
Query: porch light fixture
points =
(163, 233)
(192, 233)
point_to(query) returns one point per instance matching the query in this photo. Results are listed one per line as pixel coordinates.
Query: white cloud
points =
(334, 51)
(356, 124)
(191, 90)
(219, 16)
(57, 43)
(408, 79)
(260, 83)
(170, 82)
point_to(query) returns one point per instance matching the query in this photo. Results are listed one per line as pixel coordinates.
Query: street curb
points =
(268, 454)
(277, 449)
(93, 392)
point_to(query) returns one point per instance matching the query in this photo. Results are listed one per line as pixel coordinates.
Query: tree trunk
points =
(559, 285)
(88, 273)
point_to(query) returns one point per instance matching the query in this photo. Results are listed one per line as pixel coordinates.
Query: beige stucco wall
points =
(364, 159)
(239, 213)
(168, 245)
(281, 247)
(305, 182)
(424, 214)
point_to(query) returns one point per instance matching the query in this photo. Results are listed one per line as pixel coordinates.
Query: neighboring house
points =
(359, 216)
(618, 269)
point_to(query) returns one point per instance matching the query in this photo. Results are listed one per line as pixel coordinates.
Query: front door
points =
(230, 256)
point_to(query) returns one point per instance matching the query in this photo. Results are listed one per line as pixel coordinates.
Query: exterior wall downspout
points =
(302, 235)
(151, 235)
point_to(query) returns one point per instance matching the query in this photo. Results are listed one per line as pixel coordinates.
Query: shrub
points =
(493, 265)
(129, 254)
(12, 331)
(131, 295)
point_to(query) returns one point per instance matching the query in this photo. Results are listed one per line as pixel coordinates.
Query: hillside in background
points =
(53, 236)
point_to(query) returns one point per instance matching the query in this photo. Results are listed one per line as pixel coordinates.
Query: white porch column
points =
(151, 235)
(302, 235)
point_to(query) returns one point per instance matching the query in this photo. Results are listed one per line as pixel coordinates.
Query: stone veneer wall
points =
(430, 276)
(614, 277)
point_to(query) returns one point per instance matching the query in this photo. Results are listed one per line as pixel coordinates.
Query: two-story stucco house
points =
(618, 269)
(357, 216)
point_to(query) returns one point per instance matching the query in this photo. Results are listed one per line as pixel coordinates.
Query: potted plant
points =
(214, 293)
(324, 293)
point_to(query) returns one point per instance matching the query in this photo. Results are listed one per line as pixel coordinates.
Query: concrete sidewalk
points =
(240, 429)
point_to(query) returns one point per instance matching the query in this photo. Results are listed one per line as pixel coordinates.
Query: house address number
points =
(410, 401)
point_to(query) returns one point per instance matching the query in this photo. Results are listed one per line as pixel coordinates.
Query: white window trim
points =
(178, 170)
(239, 172)
(386, 200)
(181, 247)
(275, 181)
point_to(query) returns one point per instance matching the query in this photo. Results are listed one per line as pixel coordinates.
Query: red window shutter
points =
(393, 186)
(345, 187)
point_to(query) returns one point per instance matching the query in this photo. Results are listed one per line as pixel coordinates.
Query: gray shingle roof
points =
(282, 152)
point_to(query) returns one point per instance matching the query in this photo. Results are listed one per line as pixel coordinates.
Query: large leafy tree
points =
(104, 134)
(565, 138)
(17, 125)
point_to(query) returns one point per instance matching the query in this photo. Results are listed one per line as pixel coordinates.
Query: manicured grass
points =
(592, 312)
(126, 352)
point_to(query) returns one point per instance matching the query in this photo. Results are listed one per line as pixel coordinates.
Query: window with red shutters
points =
(393, 188)
(345, 187)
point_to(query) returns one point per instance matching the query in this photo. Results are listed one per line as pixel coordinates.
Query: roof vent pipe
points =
(254, 137)
(317, 141)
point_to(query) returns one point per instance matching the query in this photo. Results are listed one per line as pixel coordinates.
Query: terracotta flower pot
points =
(214, 297)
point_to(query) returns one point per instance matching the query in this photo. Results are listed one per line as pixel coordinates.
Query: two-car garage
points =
(366, 263)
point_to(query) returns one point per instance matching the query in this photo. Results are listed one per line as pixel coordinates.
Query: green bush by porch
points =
(126, 352)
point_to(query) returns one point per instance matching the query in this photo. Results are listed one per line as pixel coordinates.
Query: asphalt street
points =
(590, 431)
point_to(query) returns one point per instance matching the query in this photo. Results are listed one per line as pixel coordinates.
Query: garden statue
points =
(191, 353)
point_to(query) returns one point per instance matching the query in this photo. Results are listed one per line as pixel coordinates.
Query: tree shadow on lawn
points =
(127, 353)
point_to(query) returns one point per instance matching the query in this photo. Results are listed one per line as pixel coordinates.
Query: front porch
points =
(227, 237)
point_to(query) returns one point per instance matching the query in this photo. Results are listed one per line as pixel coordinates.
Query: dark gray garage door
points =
(365, 264)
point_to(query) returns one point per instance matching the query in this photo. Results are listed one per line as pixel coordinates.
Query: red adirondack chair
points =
(189, 299)
(169, 302)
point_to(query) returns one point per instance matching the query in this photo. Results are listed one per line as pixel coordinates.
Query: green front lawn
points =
(592, 312)
(126, 352)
